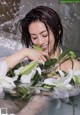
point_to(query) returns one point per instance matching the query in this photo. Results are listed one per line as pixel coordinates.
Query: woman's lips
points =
(45, 47)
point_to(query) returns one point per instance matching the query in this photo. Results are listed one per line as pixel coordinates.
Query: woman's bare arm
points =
(31, 54)
(14, 59)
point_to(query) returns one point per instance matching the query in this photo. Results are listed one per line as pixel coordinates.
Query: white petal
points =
(57, 93)
(14, 78)
(3, 68)
(27, 78)
(39, 70)
(68, 86)
(2, 94)
(76, 72)
(61, 73)
(65, 80)
(16, 72)
(7, 82)
(8, 86)
(49, 81)
(1, 89)
(68, 78)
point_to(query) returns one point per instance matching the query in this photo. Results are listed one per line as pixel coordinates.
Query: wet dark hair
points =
(46, 15)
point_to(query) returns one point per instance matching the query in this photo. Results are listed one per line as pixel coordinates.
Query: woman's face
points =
(39, 36)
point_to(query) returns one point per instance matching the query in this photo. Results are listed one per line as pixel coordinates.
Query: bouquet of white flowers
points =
(34, 78)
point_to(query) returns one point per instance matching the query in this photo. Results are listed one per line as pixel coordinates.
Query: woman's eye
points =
(34, 38)
(45, 35)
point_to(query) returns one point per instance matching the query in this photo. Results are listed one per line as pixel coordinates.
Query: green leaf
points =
(52, 73)
(50, 62)
(10, 73)
(72, 54)
(37, 47)
(76, 79)
(48, 86)
(72, 62)
(36, 79)
(23, 90)
(28, 68)
(63, 55)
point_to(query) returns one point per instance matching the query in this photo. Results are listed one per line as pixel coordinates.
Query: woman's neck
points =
(56, 53)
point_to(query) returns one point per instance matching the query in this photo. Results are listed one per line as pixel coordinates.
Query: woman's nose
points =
(40, 41)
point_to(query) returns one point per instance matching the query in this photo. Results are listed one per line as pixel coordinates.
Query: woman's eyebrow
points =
(40, 32)
(43, 31)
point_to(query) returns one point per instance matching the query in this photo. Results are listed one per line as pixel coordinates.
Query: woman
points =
(41, 27)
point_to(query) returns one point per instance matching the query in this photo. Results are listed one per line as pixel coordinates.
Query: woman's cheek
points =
(34, 41)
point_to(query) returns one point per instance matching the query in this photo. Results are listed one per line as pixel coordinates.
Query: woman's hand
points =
(36, 55)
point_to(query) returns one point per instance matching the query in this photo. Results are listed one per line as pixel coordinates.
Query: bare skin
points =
(17, 57)
(40, 38)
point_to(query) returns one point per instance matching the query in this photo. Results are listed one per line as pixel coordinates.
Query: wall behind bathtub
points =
(68, 12)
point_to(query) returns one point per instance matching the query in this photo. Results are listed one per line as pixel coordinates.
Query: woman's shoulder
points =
(70, 64)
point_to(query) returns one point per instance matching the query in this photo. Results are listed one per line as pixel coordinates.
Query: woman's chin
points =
(45, 50)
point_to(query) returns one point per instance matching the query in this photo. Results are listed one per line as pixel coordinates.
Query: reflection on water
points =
(13, 105)
(70, 107)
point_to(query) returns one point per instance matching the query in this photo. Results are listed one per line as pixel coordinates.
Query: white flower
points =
(62, 82)
(39, 70)
(57, 93)
(76, 77)
(8, 83)
(27, 78)
(61, 73)
(76, 73)
(1, 92)
(17, 72)
(3, 68)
